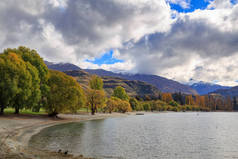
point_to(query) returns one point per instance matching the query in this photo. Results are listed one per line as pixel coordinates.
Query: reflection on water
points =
(163, 135)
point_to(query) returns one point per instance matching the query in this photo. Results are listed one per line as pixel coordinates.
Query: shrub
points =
(173, 103)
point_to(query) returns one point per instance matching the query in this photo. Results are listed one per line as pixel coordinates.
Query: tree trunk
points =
(16, 110)
(93, 110)
(53, 114)
(2, 111)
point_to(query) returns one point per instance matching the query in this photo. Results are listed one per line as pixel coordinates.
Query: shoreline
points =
(17, 130)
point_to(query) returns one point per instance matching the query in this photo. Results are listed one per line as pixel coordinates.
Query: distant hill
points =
(233, 91)
(205, 88)
(62, 66)
(132, 87)
(163, 84)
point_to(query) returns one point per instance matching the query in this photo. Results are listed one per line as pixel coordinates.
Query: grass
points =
(24, 111)
(41, 112)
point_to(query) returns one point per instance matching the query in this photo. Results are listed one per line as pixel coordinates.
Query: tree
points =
(96, 83)
(235, 106)
(189, 100)
(36, 61)
(95, 94)
(8, 81)
(123, 106)
(228, 104)
(95, 99)
(111, 104)
(22, 81)
(65, 94)
(120, 92)
(178, 98)
(134, 103)
(146, 106)
(167, 97)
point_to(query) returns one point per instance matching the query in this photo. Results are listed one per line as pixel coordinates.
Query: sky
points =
(183, 40)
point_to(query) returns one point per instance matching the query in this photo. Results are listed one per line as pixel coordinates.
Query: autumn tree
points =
(95, 94)
(21, 81)
(228, 104)
(189, 100)
(36, 61)
(65, 94)
(120, 92)
(123, 106)
(111, 104)
(167, 97)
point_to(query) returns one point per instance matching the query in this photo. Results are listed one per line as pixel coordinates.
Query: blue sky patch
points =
(106, 58)
(234, 1)
(194, 4)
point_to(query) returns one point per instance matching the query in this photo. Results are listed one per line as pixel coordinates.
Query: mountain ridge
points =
(205, 87)
(232, 92)
(132, 87)
(161, 83)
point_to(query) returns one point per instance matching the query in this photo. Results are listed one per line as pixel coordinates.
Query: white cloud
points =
(201, 44)
(183, 3)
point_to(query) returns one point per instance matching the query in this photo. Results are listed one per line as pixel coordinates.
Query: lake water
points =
(150, 136)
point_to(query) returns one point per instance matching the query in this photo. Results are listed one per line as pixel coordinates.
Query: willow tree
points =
(65, 94)
(36, 61)
(8, 81)
(120, 92)
(134, 103)
(19, 84)
(95, 94)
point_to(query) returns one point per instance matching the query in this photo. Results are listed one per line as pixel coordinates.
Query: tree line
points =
(27, 83)
(183, 102)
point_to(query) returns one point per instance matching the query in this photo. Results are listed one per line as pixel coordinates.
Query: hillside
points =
(61, 66)
(227, 92)
(205, 88)
(163, 84)
(133, 87)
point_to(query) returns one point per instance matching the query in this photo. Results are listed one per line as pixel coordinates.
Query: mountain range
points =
(142, 84)
(231, 92)
(161, 83)
(205, 88)
(132, 87)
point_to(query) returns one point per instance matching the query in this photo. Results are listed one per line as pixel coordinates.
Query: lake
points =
(151, 136)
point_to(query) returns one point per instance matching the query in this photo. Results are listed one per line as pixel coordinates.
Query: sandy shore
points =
(16, 131)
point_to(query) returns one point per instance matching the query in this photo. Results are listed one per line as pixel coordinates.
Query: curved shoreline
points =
(16, 131)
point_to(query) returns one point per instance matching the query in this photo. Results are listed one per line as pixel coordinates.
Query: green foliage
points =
(146, 107)
(25, 111)
(96, 83)
(95, 99)
(134, 103)
(96, 94)
(65, 94)
(173, 103)
(20, 83)
(120, 92)
(32, 57)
